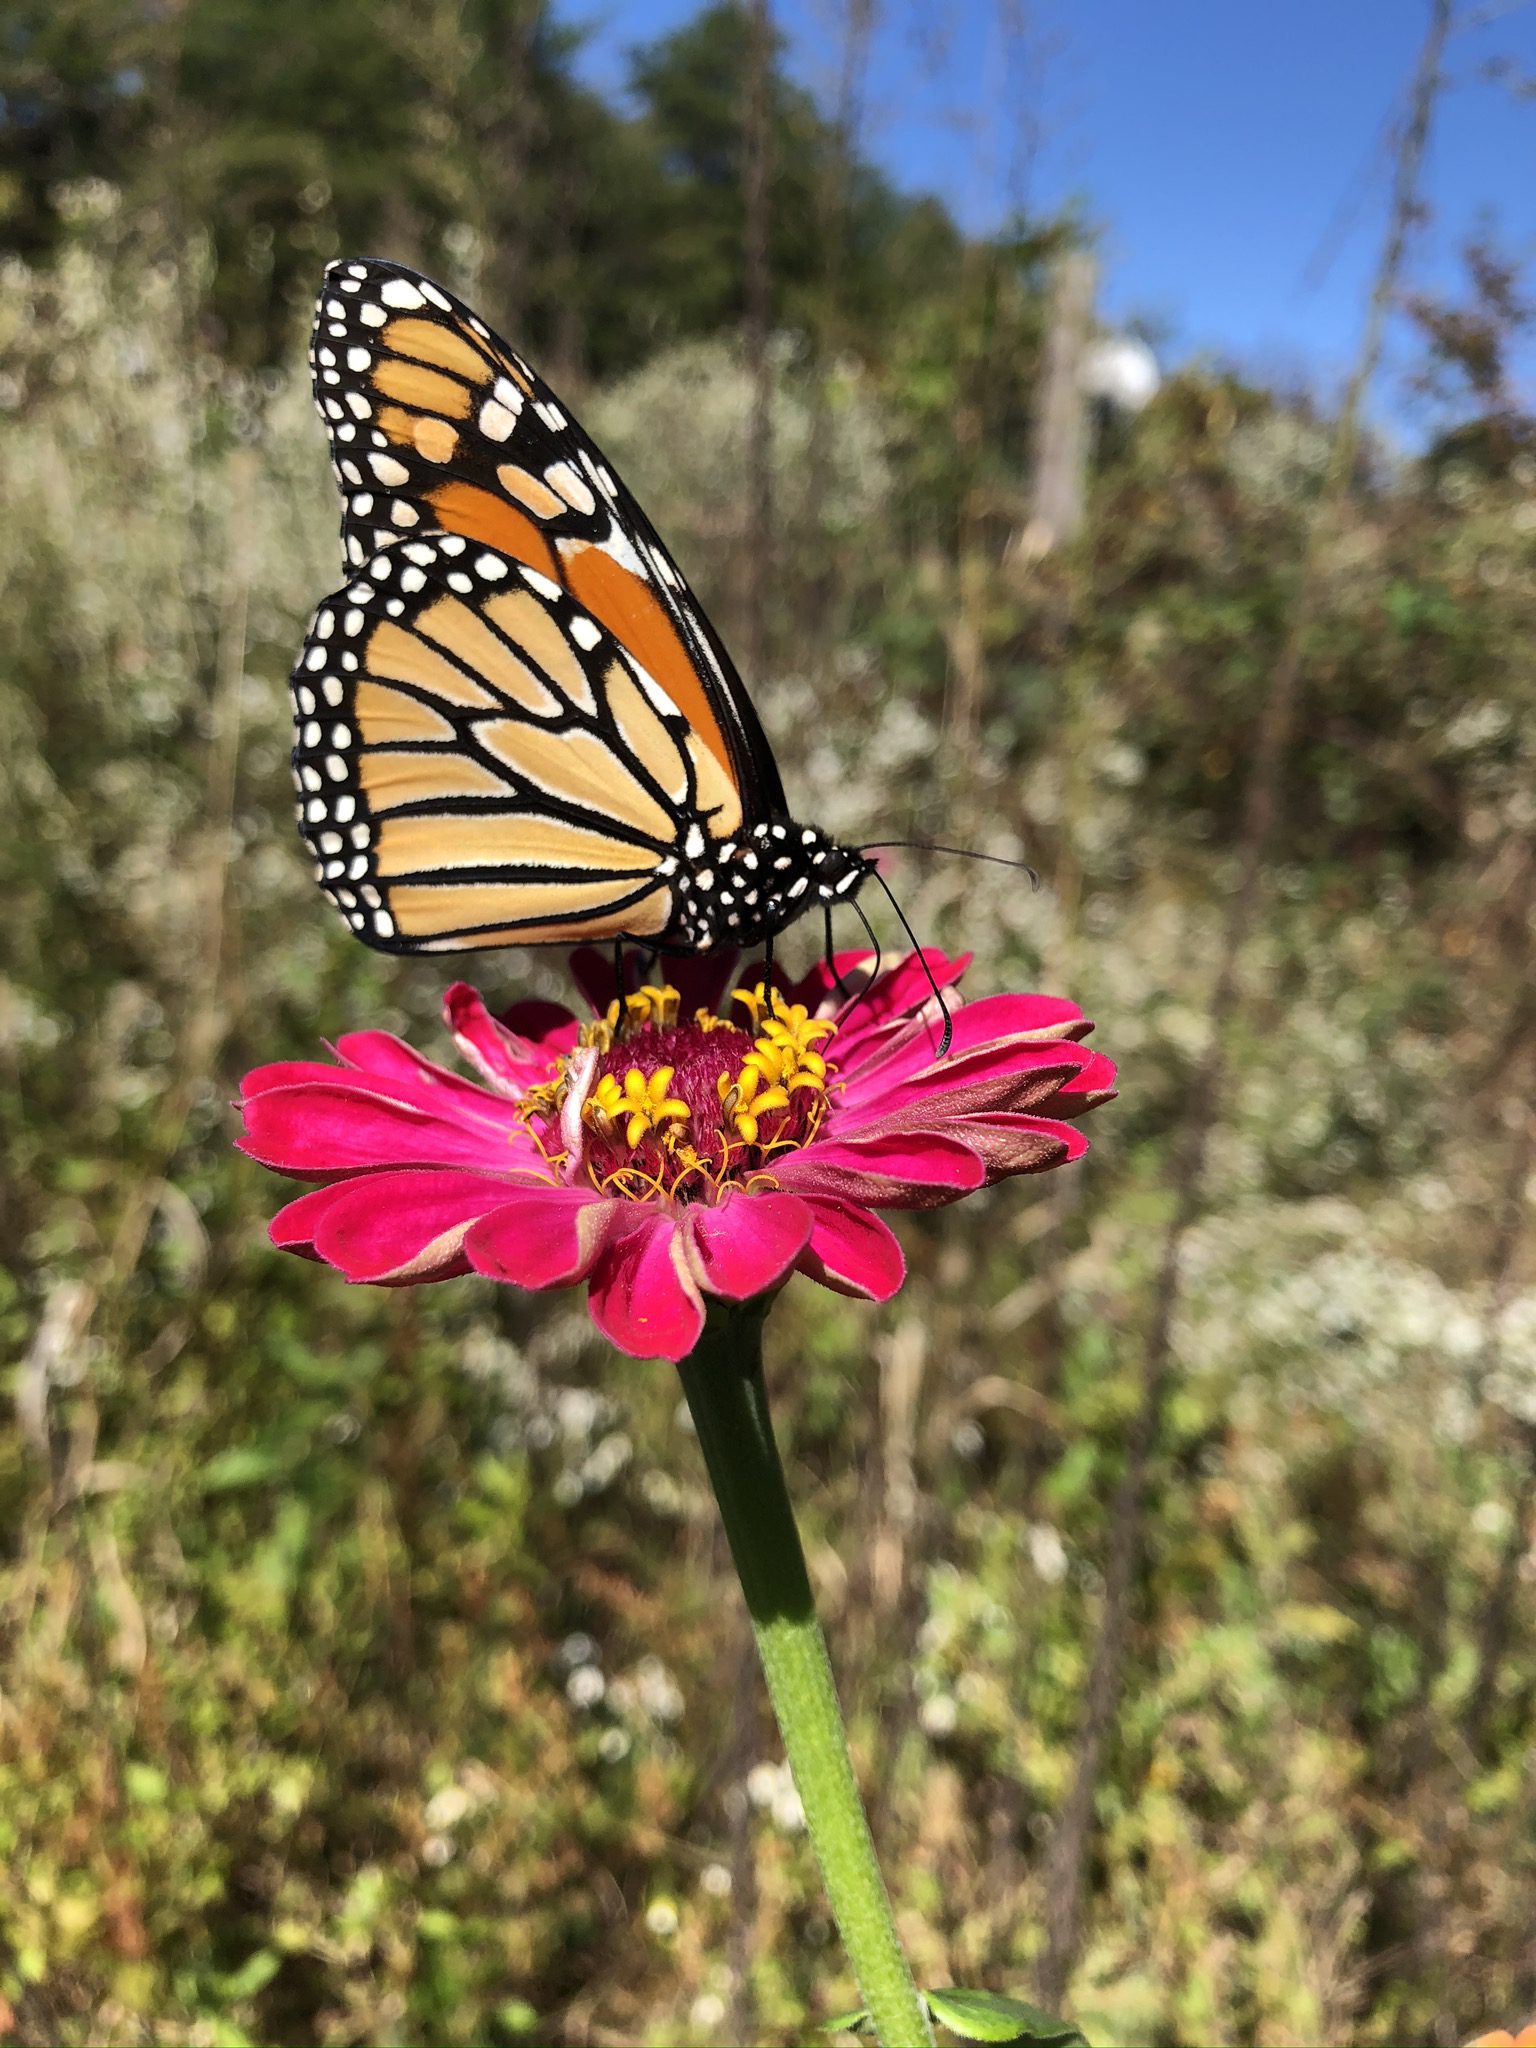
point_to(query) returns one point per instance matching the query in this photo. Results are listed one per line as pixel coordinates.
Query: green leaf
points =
(248, 1465)
(978, 2016)
(253, 1975)
(987, 2016)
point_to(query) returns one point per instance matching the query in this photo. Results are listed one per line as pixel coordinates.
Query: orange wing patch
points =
(424, 390)
(445, 348)
(466, 509)
(631, 612)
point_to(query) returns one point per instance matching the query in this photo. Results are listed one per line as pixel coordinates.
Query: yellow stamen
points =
(651, 1006)
(645, 1105)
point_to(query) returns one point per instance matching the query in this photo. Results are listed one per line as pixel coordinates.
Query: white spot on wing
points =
(399, 291)
(562, 478)
(496, 423)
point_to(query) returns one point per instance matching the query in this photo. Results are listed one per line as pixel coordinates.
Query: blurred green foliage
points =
(371, 1667)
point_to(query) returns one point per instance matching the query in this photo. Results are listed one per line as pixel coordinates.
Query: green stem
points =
(723, 1380)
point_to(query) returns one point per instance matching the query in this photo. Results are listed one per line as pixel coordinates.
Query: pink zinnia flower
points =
(664, 1153)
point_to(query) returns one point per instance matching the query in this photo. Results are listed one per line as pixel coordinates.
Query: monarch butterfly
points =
(514, 723)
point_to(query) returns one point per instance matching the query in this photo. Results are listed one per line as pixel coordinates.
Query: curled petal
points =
(747, 1243)
(511, 1062)
(1019, 1144)
(852, 1251)
(643, 1298)
(1089, 1086)
(398, 1068)
(891, 1170)
(997, 1078)
(983, 1033)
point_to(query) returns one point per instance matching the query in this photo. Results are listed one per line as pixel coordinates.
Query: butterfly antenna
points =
(938, 994)
(999, 860)
(874, 973)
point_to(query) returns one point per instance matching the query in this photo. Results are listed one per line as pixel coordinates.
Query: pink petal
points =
(1009, 1077)
(904, 988)
(346, 1122)
(509, 1063)
(818, 989)
(547, 1236)
(746, 1244)
(995, 1021)
(643, 1297)
(293, 1228)
(1095, 1082)
(391, 1226)
(877, 1011)
(852, 1251)
(1019, 1144)
(397, 1069)
(893, 1170)
(288, 1074)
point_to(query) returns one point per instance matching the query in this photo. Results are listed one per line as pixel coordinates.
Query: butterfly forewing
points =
(435, 423)
(480, 762)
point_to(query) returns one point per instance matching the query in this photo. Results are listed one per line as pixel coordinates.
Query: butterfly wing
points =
(481, 762)
(436, 423)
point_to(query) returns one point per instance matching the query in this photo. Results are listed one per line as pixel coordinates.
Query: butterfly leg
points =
(620, 979)
(768, 963)
(842, 987)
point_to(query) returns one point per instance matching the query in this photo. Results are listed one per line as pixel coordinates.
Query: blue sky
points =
(1233, 154)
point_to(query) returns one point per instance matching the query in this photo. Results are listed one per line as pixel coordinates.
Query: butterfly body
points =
(514, 724)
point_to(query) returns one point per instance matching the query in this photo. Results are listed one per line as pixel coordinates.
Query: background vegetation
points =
(371, 1671)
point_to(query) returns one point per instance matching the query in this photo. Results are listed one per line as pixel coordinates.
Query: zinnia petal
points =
(747, 1243)
(344, 1123)
(643, 1297)
(547, 1236)
(852, 1251)
(1019, 1144)
(891, 1170)
(510, 1061)
(391, 1226)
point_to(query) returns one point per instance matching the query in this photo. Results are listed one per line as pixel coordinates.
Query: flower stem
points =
(723, 1381)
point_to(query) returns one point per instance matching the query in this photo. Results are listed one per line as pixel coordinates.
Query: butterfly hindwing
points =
(435, 423)
(480, 762)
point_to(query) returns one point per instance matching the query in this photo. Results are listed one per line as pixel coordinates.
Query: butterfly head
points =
(744, 890)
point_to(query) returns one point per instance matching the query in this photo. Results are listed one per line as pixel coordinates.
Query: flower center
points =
(679, 1109)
